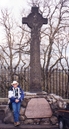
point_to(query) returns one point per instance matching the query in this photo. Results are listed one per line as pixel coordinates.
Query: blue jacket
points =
(11, 95)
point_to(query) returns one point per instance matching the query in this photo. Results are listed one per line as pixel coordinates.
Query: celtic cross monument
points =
(35, 21)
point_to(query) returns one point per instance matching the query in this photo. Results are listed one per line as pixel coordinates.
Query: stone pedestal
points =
(36, 108)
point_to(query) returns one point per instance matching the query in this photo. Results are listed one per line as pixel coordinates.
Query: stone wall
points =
(36, 109)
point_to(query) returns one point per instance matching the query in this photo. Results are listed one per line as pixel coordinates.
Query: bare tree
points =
(14, 40)
(14, 45)
(54, 36)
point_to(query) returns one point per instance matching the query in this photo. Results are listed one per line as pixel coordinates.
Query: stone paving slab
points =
(10, 126)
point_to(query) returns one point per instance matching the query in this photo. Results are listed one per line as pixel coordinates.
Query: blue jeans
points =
(16, 110)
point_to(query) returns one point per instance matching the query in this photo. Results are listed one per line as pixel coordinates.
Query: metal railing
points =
(53, 81)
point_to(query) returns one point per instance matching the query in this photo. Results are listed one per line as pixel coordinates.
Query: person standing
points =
(16, 95)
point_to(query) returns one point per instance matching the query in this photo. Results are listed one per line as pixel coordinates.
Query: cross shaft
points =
(35, 21)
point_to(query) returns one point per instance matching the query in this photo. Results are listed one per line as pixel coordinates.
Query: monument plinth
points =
(35, 21)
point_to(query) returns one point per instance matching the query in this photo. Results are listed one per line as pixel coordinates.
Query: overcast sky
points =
(15, 5)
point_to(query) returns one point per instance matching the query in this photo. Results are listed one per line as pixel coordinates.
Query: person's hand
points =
(17, 100)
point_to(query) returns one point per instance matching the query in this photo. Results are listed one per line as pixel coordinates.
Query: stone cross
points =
(35, 21)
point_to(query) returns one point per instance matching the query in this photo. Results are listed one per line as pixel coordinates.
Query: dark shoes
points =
(16, 124)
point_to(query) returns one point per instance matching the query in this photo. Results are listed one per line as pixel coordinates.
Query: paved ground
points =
(10, 126)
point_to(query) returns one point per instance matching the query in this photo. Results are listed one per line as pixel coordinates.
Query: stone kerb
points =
(37, 109)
